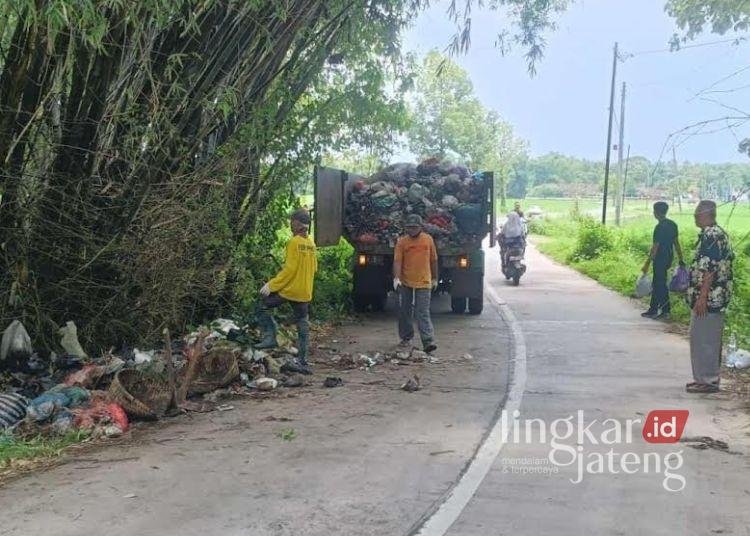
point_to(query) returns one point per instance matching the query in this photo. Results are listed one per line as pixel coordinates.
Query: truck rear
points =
(458, 210)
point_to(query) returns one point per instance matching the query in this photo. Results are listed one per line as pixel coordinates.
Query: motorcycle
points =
(512, 252)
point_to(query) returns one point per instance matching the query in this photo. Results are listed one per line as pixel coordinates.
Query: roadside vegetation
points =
(614, 255)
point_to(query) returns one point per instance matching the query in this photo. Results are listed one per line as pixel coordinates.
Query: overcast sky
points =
(564, 108)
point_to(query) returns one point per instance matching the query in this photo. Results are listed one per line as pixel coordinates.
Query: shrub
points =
(593, 240)
(538, 227)
(547, 190)
(333, 282)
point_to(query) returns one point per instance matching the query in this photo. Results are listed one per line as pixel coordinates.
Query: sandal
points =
(703, 388)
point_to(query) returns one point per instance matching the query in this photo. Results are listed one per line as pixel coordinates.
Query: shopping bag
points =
(680, 280)
(643, 286)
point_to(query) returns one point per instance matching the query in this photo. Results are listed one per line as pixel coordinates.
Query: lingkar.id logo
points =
(571, 438)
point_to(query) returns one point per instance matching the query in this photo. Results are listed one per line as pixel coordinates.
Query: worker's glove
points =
(265, 290)
(434, 284)
(396, 283)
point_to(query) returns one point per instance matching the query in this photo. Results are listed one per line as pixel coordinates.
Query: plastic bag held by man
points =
(643, 286)
(680, 280)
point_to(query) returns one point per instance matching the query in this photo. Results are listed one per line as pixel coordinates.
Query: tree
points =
(721, 16)
(448, 120)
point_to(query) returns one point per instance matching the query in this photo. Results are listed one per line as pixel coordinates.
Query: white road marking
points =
(447, 513)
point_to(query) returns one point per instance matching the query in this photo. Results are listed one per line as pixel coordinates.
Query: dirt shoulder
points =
(362, 458)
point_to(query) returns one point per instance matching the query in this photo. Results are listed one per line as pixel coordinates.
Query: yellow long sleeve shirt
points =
(295, 280)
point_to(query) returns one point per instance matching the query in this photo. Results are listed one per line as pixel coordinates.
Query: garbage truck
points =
(458, 208)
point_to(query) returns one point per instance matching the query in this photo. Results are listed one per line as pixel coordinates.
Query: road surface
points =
(370, 459)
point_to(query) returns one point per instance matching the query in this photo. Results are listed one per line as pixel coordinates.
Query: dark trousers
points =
(660, 292)
(301, 318)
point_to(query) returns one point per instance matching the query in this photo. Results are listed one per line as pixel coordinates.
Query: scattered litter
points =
(15, 347)
(46, 405)
(112, 431)
(365, 361)
(418, 356)
(333, 381)
(102, 414)
(87, 377)
(69, 341)
(224, 326)
(439, 452)
(130, 496)
(412, 384)
(705, 442)
(266, 384)
(143, 357)
(293, 381)
(739, 359)
(292, 366)
(468, 357)
(217, 395)
(271, 418)
(12, 409)
(225, 407)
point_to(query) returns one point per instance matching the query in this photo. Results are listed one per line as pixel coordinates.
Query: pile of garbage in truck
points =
(449, 198)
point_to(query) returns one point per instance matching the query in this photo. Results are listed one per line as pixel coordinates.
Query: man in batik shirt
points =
(708, 297)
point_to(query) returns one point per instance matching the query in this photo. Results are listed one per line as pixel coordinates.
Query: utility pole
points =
(609, 135)
(620, 187)
(625, 177)
(677, 181)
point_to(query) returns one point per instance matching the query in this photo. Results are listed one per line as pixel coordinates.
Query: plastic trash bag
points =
(643, 286)
(739, 359)
(69, 342)
(12, 409)
(16, 344)
(680, 280)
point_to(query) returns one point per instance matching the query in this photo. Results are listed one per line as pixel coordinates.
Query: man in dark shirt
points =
(665, 239)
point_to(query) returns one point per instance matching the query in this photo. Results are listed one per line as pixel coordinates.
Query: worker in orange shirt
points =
(293, 285)
(415, 276)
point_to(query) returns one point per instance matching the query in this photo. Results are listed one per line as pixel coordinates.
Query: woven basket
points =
(217, 369)
(140, 396)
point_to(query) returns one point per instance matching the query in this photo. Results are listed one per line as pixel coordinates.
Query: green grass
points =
(13, 449)
(618, 265)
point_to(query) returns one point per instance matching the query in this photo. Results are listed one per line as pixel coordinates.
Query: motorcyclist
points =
(513, 232)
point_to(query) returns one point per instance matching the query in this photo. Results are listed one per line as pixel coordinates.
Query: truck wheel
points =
(458, 305)
(378, 302)
(516, 280)
(361, 302)
(476, 305)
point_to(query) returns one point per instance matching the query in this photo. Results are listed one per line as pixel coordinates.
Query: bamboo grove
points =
(148, 149)
(141, 142)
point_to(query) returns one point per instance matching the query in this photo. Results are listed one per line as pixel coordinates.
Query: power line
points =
(627, 55)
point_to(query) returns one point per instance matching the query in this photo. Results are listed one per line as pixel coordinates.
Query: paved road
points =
(369, 459)
(588, 349)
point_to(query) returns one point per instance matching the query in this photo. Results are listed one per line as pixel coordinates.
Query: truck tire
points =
(458, 305)
(516, 279)
(476, 305)
(361, 302)
(378, 302)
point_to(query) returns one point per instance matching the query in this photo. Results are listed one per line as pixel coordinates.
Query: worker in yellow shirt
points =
(293, 285)
(415, 276)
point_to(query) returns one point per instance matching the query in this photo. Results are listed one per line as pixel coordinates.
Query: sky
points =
(564, 108)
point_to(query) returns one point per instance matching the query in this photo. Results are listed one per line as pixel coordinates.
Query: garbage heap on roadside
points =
(448, 197)
(103, 395)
